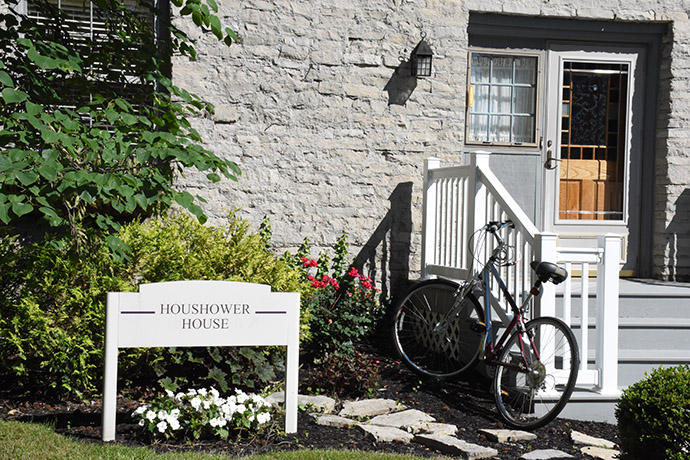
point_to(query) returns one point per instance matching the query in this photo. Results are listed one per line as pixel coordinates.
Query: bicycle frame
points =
(491, 349)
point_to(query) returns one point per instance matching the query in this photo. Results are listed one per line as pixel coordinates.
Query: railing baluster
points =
(584, 316)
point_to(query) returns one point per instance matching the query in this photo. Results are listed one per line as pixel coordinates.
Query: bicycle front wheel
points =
(531, 399)
(421, 340)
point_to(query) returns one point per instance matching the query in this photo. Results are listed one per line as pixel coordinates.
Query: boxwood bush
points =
(654, 416)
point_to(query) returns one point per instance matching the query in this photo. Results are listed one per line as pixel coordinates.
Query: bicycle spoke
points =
(531, 398)
(441, 351)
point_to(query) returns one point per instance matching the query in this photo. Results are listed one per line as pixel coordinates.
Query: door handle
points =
(550, 162)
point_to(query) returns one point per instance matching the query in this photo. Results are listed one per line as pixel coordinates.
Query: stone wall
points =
(317, 107)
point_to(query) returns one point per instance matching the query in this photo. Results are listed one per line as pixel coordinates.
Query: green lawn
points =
(28, 441)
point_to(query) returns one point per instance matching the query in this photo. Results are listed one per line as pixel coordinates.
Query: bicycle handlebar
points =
(494, 226)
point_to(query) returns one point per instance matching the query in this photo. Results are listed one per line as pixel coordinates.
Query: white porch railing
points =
(459, 200)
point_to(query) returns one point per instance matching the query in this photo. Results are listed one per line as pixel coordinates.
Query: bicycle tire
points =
(529, 401)
(434, 353)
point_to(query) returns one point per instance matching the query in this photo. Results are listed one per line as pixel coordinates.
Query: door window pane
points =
(503, 109)
(593, 135)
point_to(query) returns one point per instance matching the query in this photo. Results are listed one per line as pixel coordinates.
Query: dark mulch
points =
(466, 403)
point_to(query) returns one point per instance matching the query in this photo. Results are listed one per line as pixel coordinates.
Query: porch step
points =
(645, 333)
(653, 328)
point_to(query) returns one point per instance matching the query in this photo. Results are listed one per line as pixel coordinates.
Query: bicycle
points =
(441, 330)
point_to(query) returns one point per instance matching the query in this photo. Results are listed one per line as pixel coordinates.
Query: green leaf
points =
(141, 200)
(5, 79)
(27, 177)
(213, 5)
(231, 33)
(213, 177)
(197, 18)
(43, 62)
(51, 216)
(49, 170)
(4, 213)
(49, 136)
(33, 109)
(13, 96)
(216, 27)
(20, 209)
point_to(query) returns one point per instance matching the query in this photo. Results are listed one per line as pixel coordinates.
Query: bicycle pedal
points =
(478, 326)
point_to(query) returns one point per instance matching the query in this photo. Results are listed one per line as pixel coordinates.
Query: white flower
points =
(140, 410)
(214, 393)
(202, 392)
(170, 394)
(162, 426)
(141, 422)
(263, 418)
(206, 404)
(150, 416)
(241, 408)
(191, 392)
(174, 423)
(162, 414)
(218, 421)
(196, 403)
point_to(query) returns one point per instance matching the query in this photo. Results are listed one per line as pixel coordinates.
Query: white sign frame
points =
(200, 313)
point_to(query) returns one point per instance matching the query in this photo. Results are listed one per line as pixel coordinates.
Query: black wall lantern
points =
(421, 59)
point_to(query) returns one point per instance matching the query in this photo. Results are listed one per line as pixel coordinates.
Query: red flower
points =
(353, 272)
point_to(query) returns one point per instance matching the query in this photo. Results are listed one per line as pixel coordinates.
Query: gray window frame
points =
(538, 89)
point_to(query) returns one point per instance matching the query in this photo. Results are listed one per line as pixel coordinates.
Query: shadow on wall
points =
(678, 231)
(401, 85)
(390, 243)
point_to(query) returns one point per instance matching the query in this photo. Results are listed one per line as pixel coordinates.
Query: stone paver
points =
(334, 420)
(411, 420)
(386, 433)
(370, 408)
(319, 403)
(454, 446)
(441, 428)
(600, 452)
(583, 439)
(546, 454)
(508, 435)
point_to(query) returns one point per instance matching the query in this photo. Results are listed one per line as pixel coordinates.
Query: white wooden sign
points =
(200, 313)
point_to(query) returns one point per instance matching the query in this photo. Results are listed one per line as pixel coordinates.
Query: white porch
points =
(623, 327)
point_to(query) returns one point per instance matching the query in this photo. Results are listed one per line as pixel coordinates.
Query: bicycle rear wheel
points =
(531, 400)
(428, 350)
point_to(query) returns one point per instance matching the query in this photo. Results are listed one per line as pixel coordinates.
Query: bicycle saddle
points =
(546, 271)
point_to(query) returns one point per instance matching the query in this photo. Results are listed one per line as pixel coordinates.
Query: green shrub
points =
(52, 313)
(52, 305)
(654, 416)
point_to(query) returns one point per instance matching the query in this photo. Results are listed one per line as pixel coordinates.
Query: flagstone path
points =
(389, 421)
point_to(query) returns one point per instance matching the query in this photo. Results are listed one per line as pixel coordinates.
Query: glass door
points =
(593, 146)
(591, 152)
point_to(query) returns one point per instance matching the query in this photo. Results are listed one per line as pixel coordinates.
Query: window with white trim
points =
(502, 99)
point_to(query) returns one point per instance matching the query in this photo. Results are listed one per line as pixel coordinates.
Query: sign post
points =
(200, 313)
